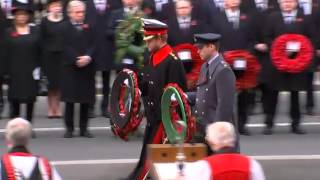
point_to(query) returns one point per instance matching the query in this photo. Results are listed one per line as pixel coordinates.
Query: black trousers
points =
(310, 100)
(105, 89)
(15, 110)
(1, 96)
(149, 135)
(69, 117)
(271, 100)
(244, 100)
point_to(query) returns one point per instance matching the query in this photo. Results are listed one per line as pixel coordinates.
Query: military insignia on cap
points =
(23, 1)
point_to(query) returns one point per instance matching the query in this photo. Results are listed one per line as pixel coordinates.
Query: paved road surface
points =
(284, 156)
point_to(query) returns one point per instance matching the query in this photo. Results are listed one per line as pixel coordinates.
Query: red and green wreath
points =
(125, 104)
(249, 78)
(170, 114)
(193, 75)
(284, 63)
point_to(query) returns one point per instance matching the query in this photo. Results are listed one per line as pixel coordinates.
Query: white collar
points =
(292, 13)
(184, 19)
(230, 13)
(133, 9)
(213, 58)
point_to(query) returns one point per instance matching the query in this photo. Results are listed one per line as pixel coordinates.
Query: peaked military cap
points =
(206, 38)
(153, 27)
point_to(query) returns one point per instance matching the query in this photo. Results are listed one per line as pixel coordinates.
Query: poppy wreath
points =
(193, 75)
(170, 117)
(249, 78)
(301, 61)
(124, 91)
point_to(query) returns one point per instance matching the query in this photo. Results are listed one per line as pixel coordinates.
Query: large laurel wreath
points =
(129, 38)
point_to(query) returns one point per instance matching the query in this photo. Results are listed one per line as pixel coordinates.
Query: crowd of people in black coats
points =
(30, 47)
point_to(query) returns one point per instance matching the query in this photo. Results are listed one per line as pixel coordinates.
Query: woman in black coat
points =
(3, 24)
(51, 35)
(21, 61)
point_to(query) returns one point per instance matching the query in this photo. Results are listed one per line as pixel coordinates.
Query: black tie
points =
(207, 71)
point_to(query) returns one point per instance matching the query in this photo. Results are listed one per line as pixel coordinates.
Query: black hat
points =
(53, 1)
(153, 27)
(22, 5)
(206, 38)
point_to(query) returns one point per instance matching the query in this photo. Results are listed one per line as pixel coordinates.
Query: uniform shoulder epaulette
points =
(174, 56)
(225, 64)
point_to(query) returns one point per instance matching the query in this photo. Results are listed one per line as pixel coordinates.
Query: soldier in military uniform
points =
(163, 68)
(215, 96)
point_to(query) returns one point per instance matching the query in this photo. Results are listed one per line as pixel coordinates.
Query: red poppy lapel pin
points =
(85, 26)
(243, 17)
(14, 34)
(194, 23)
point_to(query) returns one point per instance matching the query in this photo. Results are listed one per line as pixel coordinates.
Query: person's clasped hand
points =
(83, 61)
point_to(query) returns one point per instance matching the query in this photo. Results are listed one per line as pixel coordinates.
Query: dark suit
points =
(281, 81)
(315, 11)
(77, 84)
(4, 24)
(98, 20)
(2, 31)
(236, 39)
(233, 38)
(177, 35)
(249, 6)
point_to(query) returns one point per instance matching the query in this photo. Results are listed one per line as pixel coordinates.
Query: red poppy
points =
(191, 120)
(135, 116)
(285, 64)
(85, 26)
(194, 23)
(243, 17)
(249, 79)
(193, 75)
(14, 34)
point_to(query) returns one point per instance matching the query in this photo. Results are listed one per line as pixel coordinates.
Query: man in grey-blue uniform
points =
(215, 96)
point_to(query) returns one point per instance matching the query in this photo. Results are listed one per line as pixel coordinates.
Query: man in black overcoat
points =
(184, 23)
(78, 70)
(289, 20)
(235, 27)
(97, 16)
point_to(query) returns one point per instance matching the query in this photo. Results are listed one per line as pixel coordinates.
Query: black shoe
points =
(105, 113)
(91, 114)
(298, 130)
(244, 131)
(267, 131)
(68, 134)
(86, 134)
(309, 111)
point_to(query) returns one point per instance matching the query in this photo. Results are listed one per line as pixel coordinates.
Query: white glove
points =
(36, 73)
(173, 97)
(126, 82)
